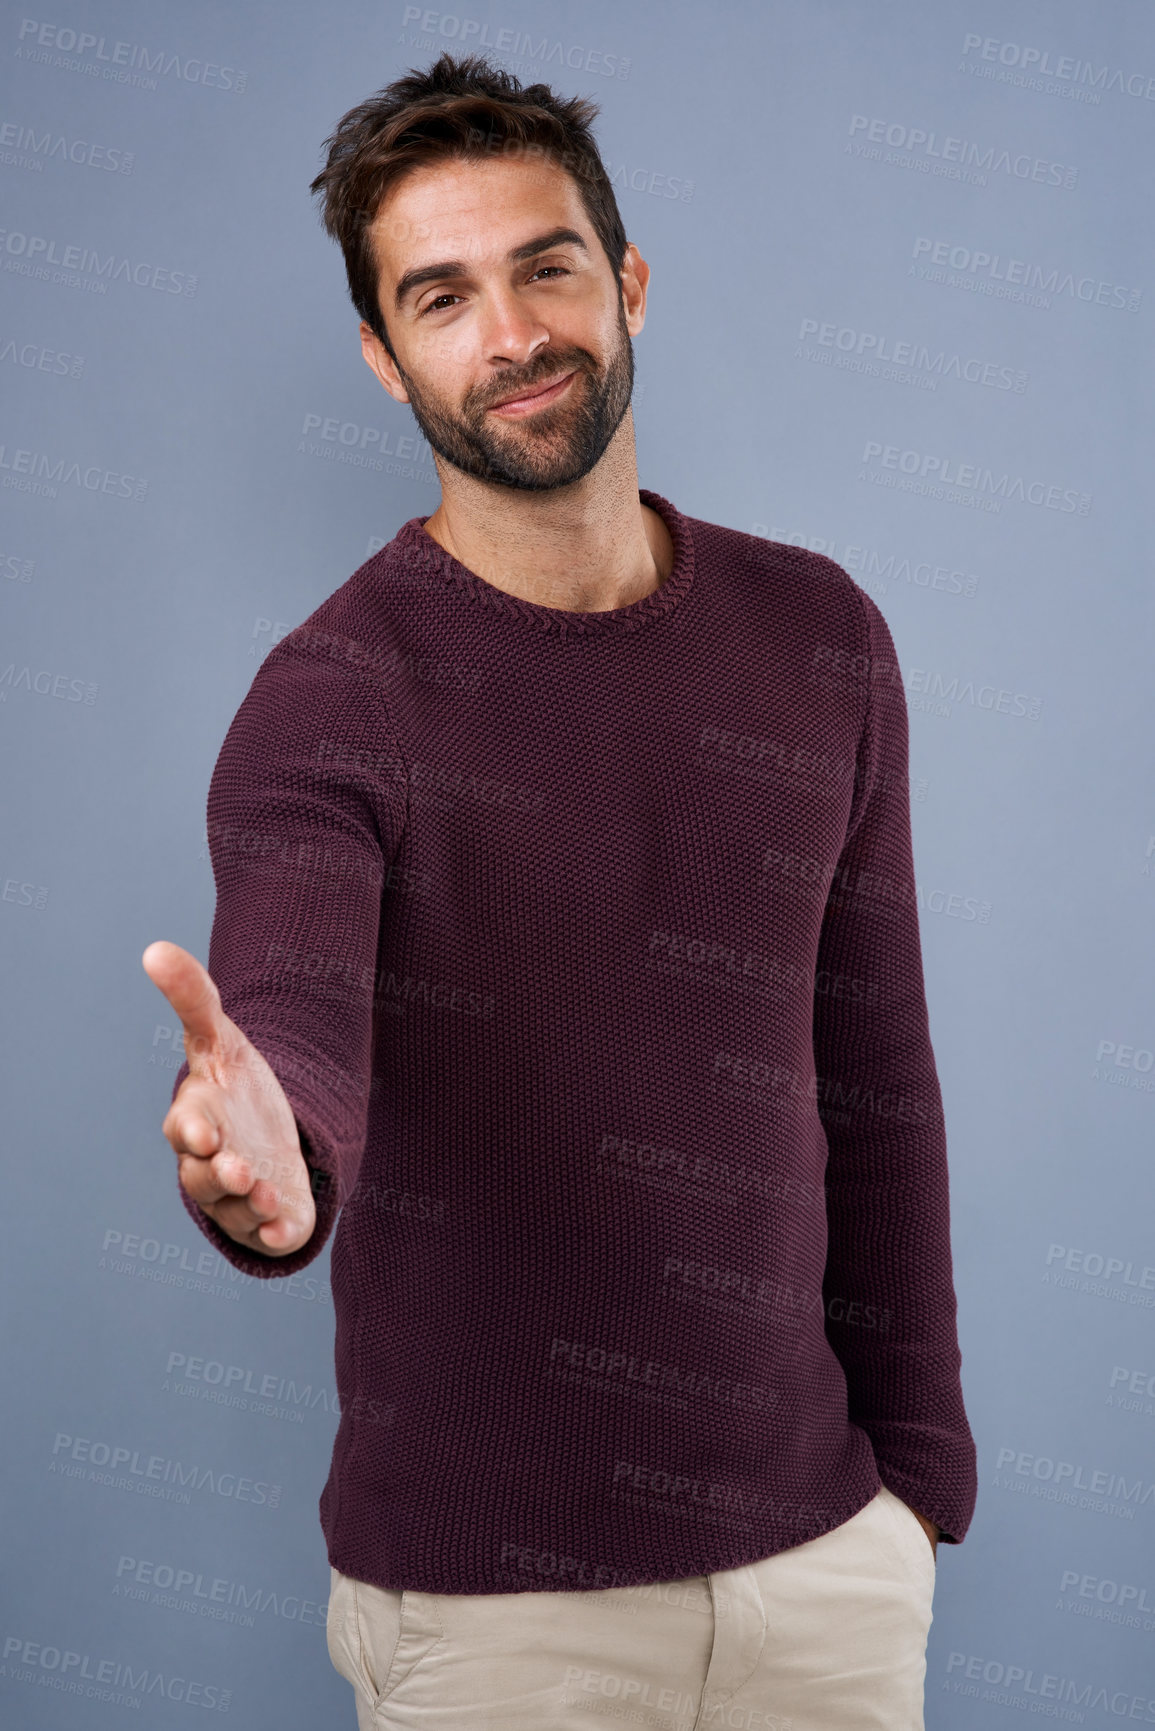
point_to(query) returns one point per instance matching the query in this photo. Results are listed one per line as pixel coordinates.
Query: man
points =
(566, 940)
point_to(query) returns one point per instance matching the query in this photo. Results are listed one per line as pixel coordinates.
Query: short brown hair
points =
(464, 108)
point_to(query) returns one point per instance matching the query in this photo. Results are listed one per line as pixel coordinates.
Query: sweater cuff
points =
(321, 1162)
(945, 1490)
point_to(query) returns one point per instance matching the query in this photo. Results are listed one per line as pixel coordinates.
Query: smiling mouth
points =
(534, 398)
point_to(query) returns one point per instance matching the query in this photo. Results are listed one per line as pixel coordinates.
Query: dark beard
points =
(553, 446)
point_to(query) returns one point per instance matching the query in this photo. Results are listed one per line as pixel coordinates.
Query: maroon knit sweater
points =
(585, 947)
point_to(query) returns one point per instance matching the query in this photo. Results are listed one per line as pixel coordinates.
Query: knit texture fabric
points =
(585, 947)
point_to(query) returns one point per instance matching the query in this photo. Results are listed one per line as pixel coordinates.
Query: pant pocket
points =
(396, 1631)
(911, 1538)
(341, 1633)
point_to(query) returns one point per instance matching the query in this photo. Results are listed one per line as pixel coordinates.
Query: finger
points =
(192, 1131)
(283, 1235)
(196, 1121)
(213, 1179)
(228, 1180)
(283, 1232)
(273, 1213)
(190, 989)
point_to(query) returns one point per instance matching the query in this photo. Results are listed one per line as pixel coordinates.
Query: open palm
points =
(231, 1125)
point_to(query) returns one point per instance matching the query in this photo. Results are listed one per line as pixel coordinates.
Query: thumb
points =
(190, 989)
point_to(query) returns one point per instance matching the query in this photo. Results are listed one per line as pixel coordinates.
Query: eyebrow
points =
(453, 267)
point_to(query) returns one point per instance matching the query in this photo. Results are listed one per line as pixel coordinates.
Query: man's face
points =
(482, 326)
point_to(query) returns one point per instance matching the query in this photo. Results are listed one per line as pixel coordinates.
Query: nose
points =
(511, 335)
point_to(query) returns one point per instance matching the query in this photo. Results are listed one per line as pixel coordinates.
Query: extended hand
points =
(231, 1125)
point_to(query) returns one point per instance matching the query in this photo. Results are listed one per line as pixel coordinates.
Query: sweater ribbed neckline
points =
(414, 539)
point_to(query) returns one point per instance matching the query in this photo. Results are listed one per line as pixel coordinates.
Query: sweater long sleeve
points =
(585, 947)
(304, 814)
(889, 1294)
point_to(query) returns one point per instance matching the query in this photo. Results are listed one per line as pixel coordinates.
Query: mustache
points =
(509, 383)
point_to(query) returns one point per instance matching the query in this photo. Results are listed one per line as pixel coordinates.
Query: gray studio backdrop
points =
(901, 311)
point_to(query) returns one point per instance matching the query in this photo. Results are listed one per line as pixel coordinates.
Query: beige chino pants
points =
(826, 1636)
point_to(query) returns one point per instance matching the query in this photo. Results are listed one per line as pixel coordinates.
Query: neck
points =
(588, 547)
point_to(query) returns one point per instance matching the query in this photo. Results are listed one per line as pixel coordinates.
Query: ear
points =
(380, 361)
(635, 277)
